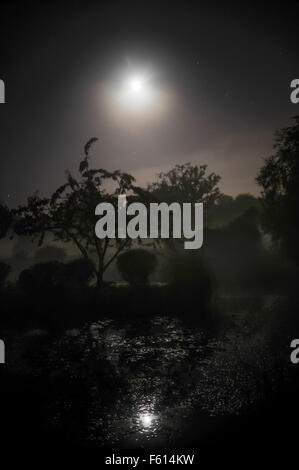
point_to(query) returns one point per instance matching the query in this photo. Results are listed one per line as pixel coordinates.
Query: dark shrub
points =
(136, 265)
(42, 276)
(79, 272)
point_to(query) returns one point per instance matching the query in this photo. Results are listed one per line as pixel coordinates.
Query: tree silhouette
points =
(186, 183)
(279, 179)
(183, 184)
(69, 214)
(227, 209)
(136, 265)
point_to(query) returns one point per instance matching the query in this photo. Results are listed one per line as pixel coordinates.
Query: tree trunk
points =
(99, 279)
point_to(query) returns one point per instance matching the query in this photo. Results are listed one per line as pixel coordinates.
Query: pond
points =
(145, 386)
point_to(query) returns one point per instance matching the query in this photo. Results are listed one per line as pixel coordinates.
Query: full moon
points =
(137, 93)
(136, 84)
(135, 98)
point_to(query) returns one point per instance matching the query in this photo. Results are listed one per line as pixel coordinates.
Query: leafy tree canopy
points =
(187, 183)
(69, 214)
(279, 179)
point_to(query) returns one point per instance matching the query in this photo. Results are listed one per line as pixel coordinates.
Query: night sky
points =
(222, 75)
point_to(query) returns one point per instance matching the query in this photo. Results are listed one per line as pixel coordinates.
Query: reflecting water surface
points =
(138, 386)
